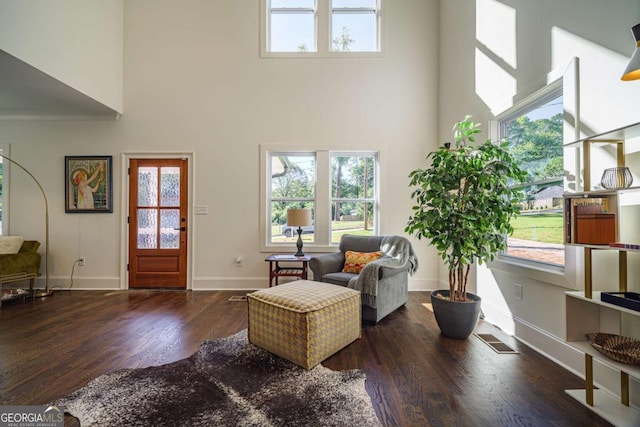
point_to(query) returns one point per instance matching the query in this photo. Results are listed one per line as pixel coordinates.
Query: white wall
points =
(495, 53)
(77, 42)
(194, 82)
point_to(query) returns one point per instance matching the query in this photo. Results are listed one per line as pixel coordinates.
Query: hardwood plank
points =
(415, 376)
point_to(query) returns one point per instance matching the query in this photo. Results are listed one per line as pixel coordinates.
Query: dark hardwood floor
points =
(416, 377)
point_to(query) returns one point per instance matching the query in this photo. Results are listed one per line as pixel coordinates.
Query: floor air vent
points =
(238, 298)
(495, 343)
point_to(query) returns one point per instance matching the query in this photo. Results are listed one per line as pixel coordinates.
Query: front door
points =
(158, 223)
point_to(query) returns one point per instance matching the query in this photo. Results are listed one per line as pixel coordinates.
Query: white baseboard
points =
(197, 283)
(249, 283)
(230, 283)
(423, 284)
(81, 283)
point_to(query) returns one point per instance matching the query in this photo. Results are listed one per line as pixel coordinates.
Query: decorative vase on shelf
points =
(614, 178)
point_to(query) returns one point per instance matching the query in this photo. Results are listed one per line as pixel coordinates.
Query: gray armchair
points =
(383, 282)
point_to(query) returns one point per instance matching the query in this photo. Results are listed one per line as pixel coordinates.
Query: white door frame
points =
(124, 202)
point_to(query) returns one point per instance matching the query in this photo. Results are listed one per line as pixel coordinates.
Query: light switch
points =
(200, 210)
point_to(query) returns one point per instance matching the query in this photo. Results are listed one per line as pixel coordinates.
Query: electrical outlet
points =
(238, 261)
(518, 288)
(82, 261)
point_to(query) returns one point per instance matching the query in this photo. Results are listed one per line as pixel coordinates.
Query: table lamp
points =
(300, 218)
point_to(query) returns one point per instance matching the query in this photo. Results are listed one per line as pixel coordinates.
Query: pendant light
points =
(632, 72)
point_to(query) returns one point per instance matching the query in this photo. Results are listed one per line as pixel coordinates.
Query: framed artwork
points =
(87, 187)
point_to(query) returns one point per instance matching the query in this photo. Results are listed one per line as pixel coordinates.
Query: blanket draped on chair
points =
(396, 252)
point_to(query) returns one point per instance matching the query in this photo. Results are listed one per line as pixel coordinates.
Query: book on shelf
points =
(567, 214)
(575, 206)
(590, 204)
(625, 245)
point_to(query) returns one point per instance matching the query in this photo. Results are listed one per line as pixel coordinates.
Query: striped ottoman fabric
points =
(303, 321)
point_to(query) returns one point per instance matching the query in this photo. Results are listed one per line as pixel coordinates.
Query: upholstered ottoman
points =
(303, 321)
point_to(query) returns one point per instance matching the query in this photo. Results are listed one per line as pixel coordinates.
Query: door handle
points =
(180, 229)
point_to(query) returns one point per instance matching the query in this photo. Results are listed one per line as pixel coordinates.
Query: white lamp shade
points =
(299, 217)
(632, 72)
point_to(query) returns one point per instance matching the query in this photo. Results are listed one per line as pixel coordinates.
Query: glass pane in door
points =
(170, 186)
(147, 228)
(147, 186)
(169, 228)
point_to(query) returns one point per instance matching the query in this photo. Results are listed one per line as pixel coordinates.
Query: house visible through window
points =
(535, 134)
(320, 27)
(340, 188)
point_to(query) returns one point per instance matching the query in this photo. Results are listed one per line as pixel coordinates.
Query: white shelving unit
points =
(608, 407)
(585, 315)
(585, 311)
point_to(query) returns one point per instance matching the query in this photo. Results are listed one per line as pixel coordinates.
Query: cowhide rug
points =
(227, 382)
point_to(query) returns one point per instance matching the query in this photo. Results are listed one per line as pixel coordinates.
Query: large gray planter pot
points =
(455, 319)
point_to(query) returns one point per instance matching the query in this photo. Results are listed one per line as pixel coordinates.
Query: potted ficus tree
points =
(464, 203)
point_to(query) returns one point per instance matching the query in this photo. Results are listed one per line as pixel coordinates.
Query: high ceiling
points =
(27, 93)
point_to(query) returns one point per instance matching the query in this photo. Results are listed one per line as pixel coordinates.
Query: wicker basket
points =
(616, 347)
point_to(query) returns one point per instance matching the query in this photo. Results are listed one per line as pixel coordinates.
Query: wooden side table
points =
(276, 270)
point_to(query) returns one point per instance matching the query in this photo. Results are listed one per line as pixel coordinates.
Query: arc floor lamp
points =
(47, 290)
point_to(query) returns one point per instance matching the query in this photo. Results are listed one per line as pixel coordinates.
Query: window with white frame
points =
(353, 190)
(354, 26)
(320, 27)
(291, 25)
(292, 186)
(340, 188)
(534, 129)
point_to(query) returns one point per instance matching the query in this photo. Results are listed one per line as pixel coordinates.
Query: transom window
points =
(292, 25)
(354, 26)
(320, 27)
